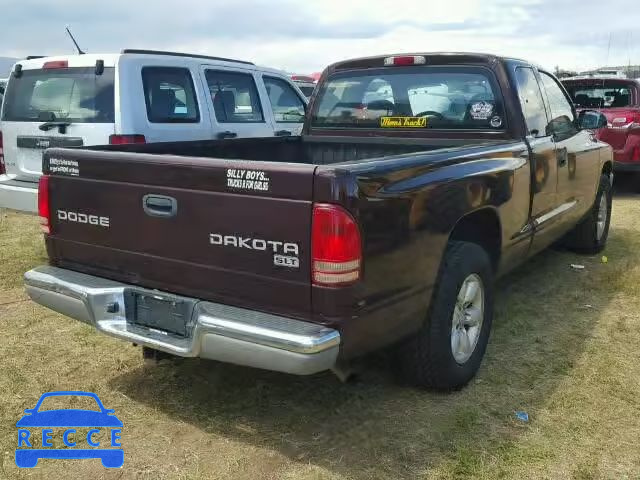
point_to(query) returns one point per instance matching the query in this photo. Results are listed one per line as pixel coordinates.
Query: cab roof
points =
(111, 59)
(431, 58)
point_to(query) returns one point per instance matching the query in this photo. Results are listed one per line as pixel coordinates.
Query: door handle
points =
(283, 133)
(159, 206)
(563, 156)
(227, 134)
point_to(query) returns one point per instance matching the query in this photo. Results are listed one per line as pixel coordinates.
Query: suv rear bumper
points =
(18, 195)
(216, 332)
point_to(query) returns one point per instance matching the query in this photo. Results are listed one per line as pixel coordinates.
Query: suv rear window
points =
(73, 94)
(410, 97)
(600, 95)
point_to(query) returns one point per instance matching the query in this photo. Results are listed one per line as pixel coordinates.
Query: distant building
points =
(623, 71)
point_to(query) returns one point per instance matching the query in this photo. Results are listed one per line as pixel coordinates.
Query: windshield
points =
(410, 97)
(70, 94)
(600, 95)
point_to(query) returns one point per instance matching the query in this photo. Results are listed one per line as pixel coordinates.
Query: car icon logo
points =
(31, 448)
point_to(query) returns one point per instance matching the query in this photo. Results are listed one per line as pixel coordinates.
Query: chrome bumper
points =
(22, 196)
(217, 332)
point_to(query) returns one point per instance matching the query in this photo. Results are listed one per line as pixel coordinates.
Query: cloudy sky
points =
(304, 36)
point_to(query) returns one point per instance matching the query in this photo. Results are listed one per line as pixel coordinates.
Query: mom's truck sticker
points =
(241, 179)
(403, 122)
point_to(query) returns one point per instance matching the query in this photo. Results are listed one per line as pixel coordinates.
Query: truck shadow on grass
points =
(626, 186)
(374, 428)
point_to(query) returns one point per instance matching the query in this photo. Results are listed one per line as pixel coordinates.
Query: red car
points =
(619, 100)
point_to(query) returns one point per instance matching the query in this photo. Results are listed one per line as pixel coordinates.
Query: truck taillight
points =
(126, 139)
(55, 64)
(3, 169)
(336, 246)
(629, 120)
(43, 204)
(404, 60)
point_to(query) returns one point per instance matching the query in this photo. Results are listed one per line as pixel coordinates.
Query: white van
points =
(133, 96)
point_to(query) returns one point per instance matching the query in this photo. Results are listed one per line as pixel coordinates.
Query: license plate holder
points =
(158, 312)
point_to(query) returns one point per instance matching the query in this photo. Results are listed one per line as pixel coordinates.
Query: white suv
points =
(133, 96)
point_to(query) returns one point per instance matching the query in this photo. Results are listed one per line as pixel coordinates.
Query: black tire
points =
(427, 360)
(583, 238)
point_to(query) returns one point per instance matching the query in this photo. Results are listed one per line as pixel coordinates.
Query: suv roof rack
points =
(180, 54)
(33, 57)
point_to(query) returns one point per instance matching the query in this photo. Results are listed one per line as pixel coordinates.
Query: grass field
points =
(565, 348)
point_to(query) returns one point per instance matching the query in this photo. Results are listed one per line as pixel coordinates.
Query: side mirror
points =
(591, 120)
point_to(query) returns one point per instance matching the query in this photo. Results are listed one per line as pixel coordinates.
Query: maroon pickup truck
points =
(417, 181)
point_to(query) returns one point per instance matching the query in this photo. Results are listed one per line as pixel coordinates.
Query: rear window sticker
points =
(403, 122)
(496, 121)
(481, 110)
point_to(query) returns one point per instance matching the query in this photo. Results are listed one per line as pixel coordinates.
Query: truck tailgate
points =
(231, 231)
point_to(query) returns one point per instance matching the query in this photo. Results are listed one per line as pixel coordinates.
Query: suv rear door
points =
(236, 105)
(76, 96)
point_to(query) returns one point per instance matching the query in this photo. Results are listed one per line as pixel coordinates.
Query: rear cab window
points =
(459, 98)
(169, 95)
(76, 95)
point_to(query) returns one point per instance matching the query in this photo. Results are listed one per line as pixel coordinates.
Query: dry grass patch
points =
(564, 348)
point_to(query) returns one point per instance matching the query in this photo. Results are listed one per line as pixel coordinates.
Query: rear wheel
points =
(446, 353)
(590, 235)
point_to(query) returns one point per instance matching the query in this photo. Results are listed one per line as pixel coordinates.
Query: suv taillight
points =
(43, 204)
(126, 139)
(3, 169)
(336, 247)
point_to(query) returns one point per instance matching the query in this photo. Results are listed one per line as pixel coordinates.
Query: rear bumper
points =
(626, 167)
(217, 332)
(18, 195)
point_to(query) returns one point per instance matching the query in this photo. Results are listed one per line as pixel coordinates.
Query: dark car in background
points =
(619, 100)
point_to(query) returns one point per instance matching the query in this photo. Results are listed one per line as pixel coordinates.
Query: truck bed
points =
(306, 150)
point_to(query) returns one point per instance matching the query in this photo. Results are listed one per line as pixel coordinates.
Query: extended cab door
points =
(578, 155)
(286, 106)
(544, 165)
(236, 107)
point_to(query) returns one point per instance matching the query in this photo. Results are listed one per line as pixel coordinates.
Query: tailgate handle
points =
(159, 206)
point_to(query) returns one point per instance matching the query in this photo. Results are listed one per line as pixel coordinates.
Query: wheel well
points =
(607, 169)
(483, 228)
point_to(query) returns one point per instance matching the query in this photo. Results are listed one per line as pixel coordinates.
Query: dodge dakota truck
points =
(417, 181)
